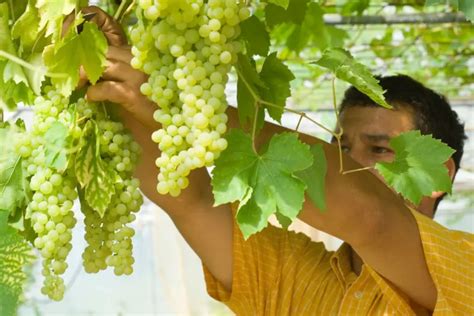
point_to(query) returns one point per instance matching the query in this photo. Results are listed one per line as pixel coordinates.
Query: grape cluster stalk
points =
(187, 48)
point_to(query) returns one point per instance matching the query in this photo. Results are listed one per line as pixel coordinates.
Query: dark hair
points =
(432, 113)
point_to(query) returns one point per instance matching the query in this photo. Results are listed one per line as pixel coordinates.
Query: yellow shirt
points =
(277, 272)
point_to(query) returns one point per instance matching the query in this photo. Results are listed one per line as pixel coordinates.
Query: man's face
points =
(368, 130)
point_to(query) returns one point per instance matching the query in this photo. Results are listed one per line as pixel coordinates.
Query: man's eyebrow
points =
(376, 138)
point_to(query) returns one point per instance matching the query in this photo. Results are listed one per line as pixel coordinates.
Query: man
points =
(395, 260)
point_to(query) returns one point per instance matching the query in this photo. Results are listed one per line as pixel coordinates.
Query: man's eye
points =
(380, 150)
(345, 148)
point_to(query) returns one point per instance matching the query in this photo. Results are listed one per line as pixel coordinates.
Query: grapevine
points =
(76, 152)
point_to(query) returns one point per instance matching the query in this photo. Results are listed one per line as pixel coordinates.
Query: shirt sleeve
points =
(257, 266)
(449, 256)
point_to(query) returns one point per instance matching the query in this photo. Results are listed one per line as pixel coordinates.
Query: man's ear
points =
(451, 172)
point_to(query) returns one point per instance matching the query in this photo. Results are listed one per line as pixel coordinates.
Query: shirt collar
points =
(340, 262)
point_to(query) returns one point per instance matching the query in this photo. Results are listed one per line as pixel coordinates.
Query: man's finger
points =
(112, 91)
(82, 78)
(120, 71)
(122, 54)
(112, 30)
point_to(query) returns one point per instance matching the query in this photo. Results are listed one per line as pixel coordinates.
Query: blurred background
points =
(433, 44)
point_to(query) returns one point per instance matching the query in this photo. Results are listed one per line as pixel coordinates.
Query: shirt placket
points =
(358, 296)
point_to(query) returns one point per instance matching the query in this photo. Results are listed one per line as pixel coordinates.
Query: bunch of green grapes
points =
(187, 48)
(54, 193)
(109, 238)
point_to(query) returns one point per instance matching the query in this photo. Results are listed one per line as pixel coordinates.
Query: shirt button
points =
(358, 295)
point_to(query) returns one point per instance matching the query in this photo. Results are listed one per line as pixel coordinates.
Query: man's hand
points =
(112, 30)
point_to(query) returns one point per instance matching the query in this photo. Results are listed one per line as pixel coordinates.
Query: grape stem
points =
(120, 10)
(337, 135)
(27, 65)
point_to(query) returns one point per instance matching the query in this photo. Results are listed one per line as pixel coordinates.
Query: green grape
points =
(192, 49)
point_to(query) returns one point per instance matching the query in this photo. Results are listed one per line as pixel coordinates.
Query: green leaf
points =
(86, 155)
(13, 184)
(295, 13)
(52, 13)
(315, 177)
(282, 3)
(357, 6)
(467, 7)
(313, 31)
(87, 49)
(6, 43)
(418, 168)
(26, 28)
(100, 180)
(263, 183)
(37, 76)
(277, 78)
(249, 84)
(57, 144)
(255, 36)
(345, 67)
(15, 253)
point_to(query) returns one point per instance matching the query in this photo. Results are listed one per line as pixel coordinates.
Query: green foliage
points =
(418, 168)
(281, 3)
(255, 36)
(315, 177)
(276, 77)
(96, 179)
(345, 67)
(57, 145)
(15, 252)
(14, 85)
(264, 184)
(52, 14)
(27, 28)
(87, 49)
(13, 186)
(272, 85)
(466, 6)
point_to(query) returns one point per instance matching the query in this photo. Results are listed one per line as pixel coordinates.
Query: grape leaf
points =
(311, 32)
(295, 13)
(6, 43)
(52, 13)
(467, 7)
(265, 183)
(14, 85)
(13, 183)
(26, 28)
(85, 155)
(357, 6)
(418, 168)
(87, 49)
(15, 253)
(282, 3)
(255, 36)
(276, 77)
(345, 67)
(38, 75)
(93, 175)
(248, 86)
(57, 145)
(315, 177)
